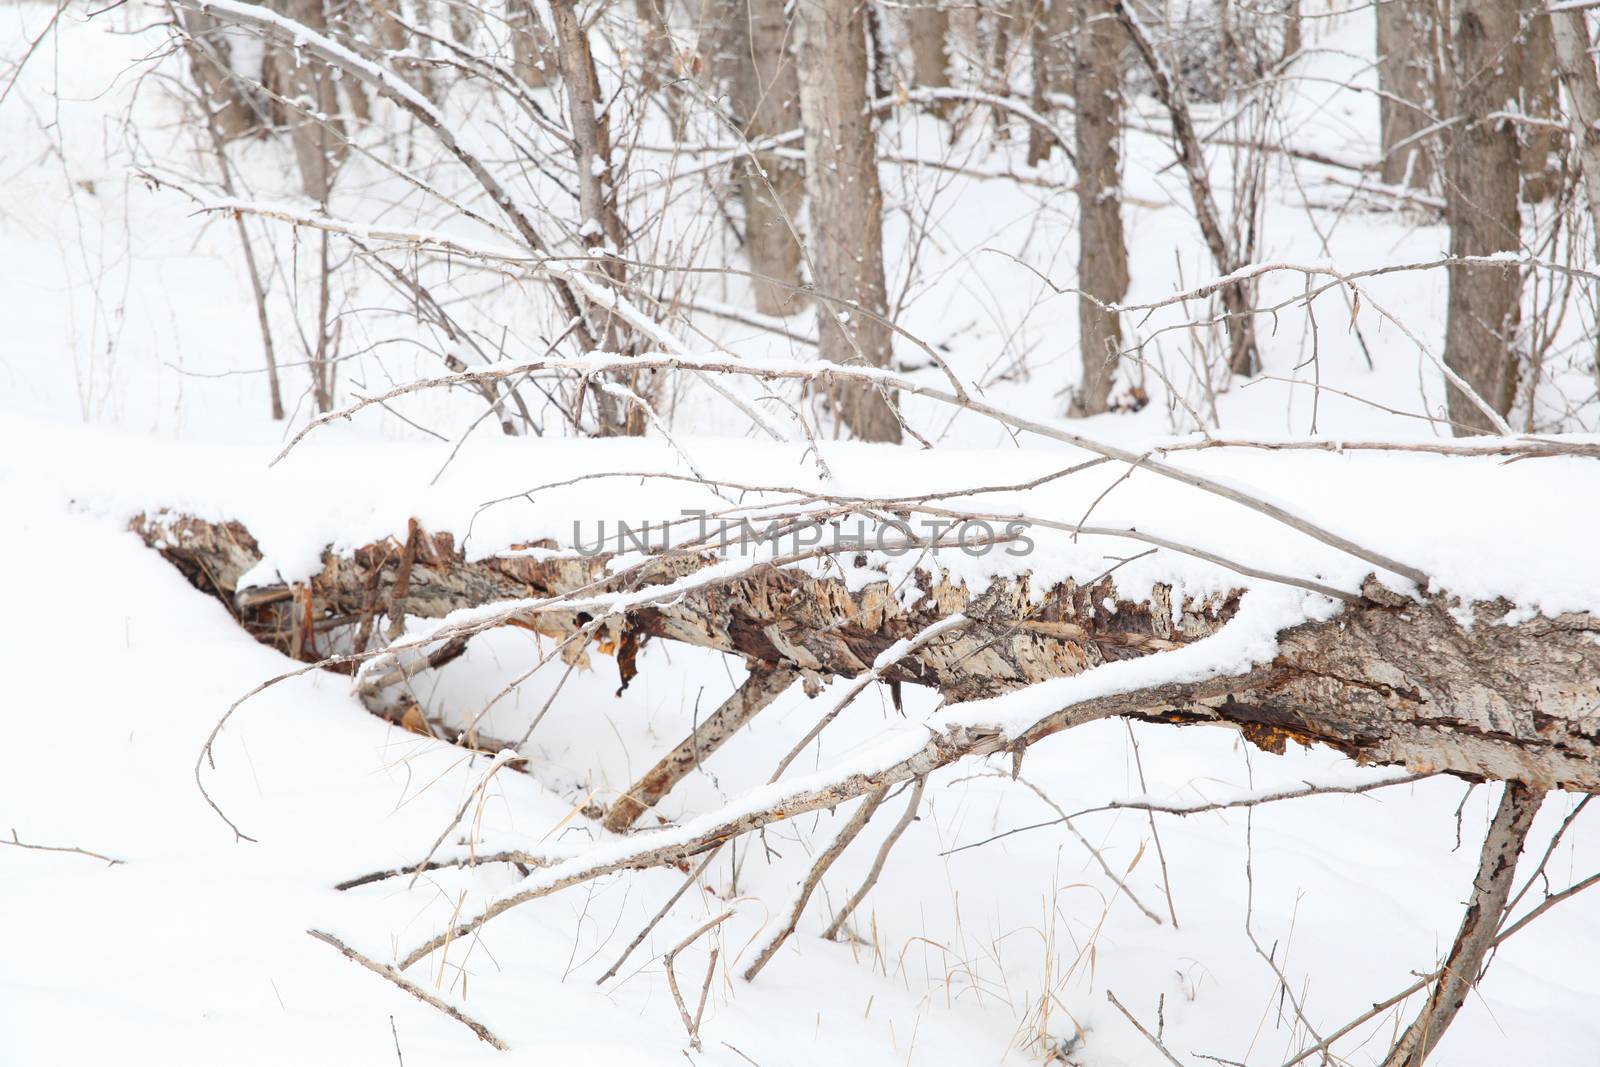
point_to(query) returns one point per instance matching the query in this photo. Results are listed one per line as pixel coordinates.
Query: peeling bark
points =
(1432, 685)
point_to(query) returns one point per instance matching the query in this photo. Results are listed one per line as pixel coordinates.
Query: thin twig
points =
(906, 819)
(1137, 1025)
(651, 925)
(17, 843)
(858, 821)
(388, 971)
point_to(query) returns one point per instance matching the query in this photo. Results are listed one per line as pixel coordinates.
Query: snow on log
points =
(1426, 682)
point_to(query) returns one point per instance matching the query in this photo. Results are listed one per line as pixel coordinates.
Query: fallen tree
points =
(1428, 683)
(1424, 681)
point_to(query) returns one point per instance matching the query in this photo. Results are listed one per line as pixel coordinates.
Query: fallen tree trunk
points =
(1430, 684)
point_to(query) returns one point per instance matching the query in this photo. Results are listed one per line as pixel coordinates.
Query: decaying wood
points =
(1429, 684)
(764, 685)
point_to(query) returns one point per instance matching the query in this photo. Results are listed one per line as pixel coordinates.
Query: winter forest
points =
(771, 532)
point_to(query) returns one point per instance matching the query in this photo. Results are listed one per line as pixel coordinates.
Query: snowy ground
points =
(126, 382)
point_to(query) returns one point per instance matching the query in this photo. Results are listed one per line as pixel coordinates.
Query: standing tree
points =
(929, 24)
(1481, 206)
(532, 55)
(766, 101)
(1540, 101)
(1052, 67)
(1406, 85)
(846, 208)
(1102, 254)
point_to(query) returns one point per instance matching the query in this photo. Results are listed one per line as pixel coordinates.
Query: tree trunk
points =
(655, 43)
(319, 145)
(1405, 78)
(1570, 37)
(929, 26)
(1431, 684)
(1102, 254)
(1481, 205)
(1054, 67)
(766, 101)
(600, 227)
(1540, 100)
(846, 208)
(393, 37)
(234, 112)
(532, 54)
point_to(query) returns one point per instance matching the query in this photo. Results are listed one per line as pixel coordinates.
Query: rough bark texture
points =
(1102, 253)
(766, 101)
(1481, 205)
(1389, 680)
(1405, 78)
(1497, 868)
(846, 206)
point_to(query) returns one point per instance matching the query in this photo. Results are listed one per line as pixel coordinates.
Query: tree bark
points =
(1102, 253)
(1570, 42)
(319, 145)
(1406, 82)
(764, 685)
(846, 207)
(1570, 39)
(600, 227)
(929, 26)
(1481, 206)
(1540, 100)
(532, 52)
(1389, 680)
(1497, 868)
(233, 109)
(1054, 67)
(766, 101)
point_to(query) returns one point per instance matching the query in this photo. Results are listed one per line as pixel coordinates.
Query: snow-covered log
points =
(1425, 682)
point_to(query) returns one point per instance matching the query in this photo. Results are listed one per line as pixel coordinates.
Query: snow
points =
(129, 381)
